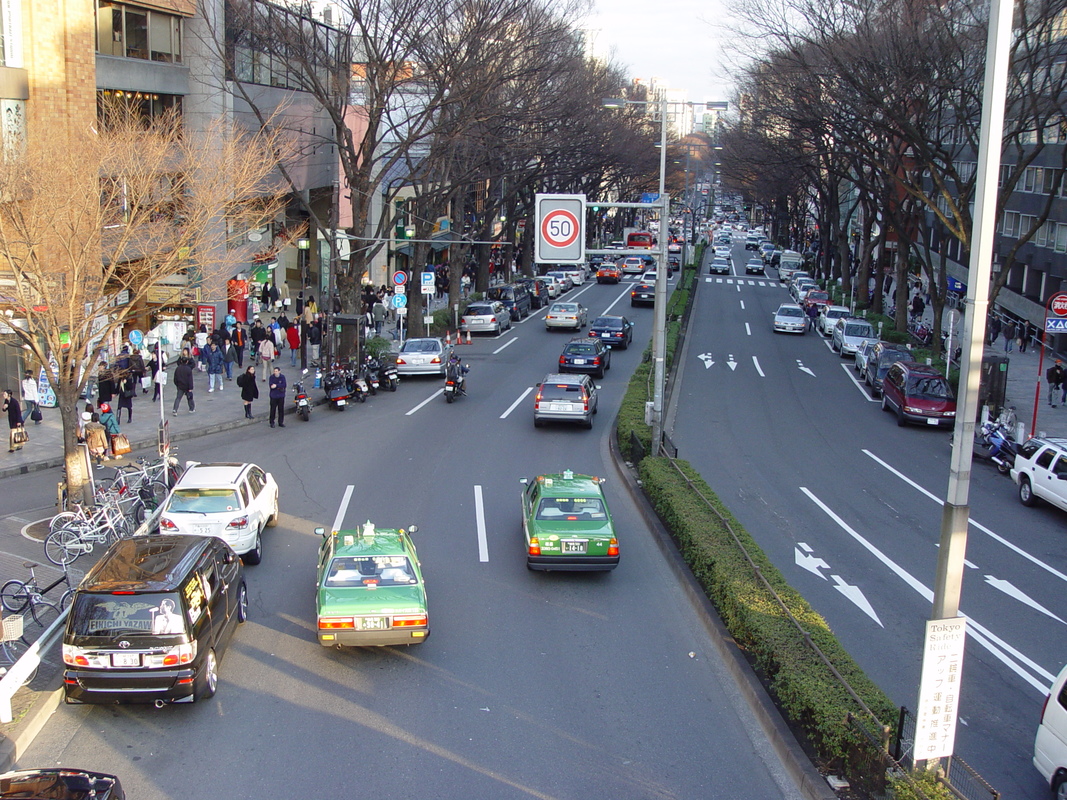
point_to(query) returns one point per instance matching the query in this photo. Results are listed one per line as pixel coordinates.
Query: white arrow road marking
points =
(800, 365)
(707, 359)
(730, 362)
(1011, 591)
(760, 371)
(855, 594)
(811, 563)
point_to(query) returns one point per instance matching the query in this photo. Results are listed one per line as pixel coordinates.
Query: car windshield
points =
(110, 615)
(371, 572)
(931, 387)
(859, 330)
(420, 346)
(790, 311)
(608, 322)
(203, 501)
(563, 308)
(570, 508)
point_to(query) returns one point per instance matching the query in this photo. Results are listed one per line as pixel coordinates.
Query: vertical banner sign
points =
(939, 688)
(1056, 317)
(560, 230)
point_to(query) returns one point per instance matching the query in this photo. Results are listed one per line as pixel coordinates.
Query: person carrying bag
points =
(18, 435)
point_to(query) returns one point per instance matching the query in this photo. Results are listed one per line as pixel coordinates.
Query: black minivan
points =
(514, 296)
(151, 621)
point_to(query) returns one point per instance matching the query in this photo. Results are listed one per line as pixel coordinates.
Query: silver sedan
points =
(485, 316)
(423, 357)
(566, 315)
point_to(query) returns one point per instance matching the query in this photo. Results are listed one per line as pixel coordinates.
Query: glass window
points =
(370, 571)
(114, 615)
(136, 33)
(1045, 458)
(203, 501)
(571, 508)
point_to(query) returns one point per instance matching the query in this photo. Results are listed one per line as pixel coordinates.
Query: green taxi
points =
(370, 589)
(567, 524)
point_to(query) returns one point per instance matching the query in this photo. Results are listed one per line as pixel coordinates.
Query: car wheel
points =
(1059, 787)
(1026, 492)
(588, 423)
(608, 364)
(255, 555)
(885, 406)
(538, 423)
(211, 675)
(599, 373)
(242, 603)
(901, 421)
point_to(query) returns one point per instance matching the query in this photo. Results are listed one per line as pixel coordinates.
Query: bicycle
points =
(12, 646)
(108, 508)
(65, 545)
(17, 596)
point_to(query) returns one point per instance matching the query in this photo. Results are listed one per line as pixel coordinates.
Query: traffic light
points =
(596, 209)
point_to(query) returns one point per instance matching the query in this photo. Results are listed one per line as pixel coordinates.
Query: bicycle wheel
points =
(64, 519)
(14, 596)
(64, 546)
(64, 601)
(12, 651)
(44, 613)
(153, 493)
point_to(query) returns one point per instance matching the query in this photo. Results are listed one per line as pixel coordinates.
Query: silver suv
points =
(1041, 472)
(565, 398)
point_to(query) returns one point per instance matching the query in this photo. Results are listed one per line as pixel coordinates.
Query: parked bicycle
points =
(12, 646)
(20, 597)
(104, 525)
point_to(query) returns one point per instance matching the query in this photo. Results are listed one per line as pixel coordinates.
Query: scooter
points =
(390, 377)
(371, 373)
(992, 444)
(455, 380)
(303, 402)
(360, 385)
(336, 388)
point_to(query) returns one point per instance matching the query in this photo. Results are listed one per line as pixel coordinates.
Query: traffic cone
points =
(468, 337)
(448, 339)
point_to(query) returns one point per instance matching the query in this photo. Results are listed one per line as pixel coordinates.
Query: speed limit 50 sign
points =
(560, 228)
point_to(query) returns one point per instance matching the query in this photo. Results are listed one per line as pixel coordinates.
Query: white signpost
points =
(939, 688)
(560, 222)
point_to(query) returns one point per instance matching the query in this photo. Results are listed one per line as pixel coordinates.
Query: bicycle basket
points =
(12, 627)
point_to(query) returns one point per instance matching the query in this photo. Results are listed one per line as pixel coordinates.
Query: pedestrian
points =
(229, 357)
(230, 321)
(292, 338)
(258, 334)
(14, 421)
(314, 341)
(994, 329)
(277, 397)
(138, 370)
(183, 384)
(158, 366)
(111, 425)
(813, 314)
(249, 391)
(1009, 334)
(214, 360)
(105, 385)
(30, 398)
(201, 340)
(917, 307)
(266, 355)
(127, 391)
(95, 436)
(1055, 377)
(378, 316)
(239, 340)
(1024, 336)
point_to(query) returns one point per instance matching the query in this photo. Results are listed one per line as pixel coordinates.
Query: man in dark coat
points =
(277, 386)
(183, 384)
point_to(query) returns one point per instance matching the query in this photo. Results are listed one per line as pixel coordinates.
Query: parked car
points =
(565, 282)
(643, 294)
(585, 355)
(790, 318)
(423, 357)
(918, 393)
(863, 352)
(60, 783)
(537, 288)
(1050, 744)
(616, 331)
(151, 621)
(555, 287)
(849, 333)
(233, 502)
(815, 297)
(514, 296)
(882, 357)
(576, 274)
(801, 287)
(828, 317)
(1041, 471)
(566, 315)
(485, 316)
(567, 525)
(565, 398)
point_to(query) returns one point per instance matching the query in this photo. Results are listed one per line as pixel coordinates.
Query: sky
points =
(680, 41)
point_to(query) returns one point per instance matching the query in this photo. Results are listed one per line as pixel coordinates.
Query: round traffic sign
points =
(400, 278)
(560, 228)
(400, 300)
(1058, 304)
(136, 337)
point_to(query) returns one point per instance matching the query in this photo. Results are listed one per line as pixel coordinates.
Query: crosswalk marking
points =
(743, 281)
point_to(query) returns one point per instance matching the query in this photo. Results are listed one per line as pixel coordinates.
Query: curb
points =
(28, 728)
(785, 745)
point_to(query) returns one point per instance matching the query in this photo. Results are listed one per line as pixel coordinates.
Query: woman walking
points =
(267, 353)
(14, 419)
(249, 391)
(127, 391)
(111, 425)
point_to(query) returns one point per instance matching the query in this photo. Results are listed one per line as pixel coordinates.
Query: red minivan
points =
(918, 393)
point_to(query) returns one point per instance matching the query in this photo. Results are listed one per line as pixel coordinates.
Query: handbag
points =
(120, 445)
(36, 414)
(20, 435)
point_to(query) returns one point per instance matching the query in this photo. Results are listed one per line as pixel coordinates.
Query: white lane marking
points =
(438, 393)
(506, 344)
(995, 537)
(479, 517)
(748, 330)
(343, 509)
(984, 636)
(849, 370)
(516, 403)
(739, 286)
(742, 305)
(760, 371)
(1013, 591)
(617, 299)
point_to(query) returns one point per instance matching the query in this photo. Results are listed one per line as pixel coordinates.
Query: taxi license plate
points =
(125, 659)
(341, 402)
(204, 530)
(574, 545)
(374, 623)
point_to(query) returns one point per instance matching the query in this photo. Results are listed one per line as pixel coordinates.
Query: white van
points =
(789, 262)
(1050, 746)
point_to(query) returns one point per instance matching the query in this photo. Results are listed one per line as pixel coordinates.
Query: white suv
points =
(232, 502)
(1041, 472)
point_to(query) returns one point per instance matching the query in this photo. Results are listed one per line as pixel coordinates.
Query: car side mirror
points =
(523, 481)
(321, 532)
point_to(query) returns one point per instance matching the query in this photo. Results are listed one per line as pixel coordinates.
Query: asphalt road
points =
(545, 685)
(848, 506)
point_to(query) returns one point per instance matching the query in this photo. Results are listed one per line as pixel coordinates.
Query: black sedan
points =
(614, 331)
(591, 356)
(643, 293)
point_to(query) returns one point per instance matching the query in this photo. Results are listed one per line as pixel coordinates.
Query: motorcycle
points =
(455, 380)
(390, 376)
(303, 402)
(359, 384)
(992, 444)
(335, 385)
(372, 371)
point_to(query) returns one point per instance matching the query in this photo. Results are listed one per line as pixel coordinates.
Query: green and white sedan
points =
(567, 524)
(370, 589)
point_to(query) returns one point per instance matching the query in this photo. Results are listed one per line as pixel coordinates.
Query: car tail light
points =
(334, 623)
(585, 402)
(633, 293)
(166, 524)
(399, 360)
(537, 401)
(436, 360)
(562, 360)
(74, 656)
(175, 656)
(409, 621)
(535, 547)
(492, 320)
(613, 547)
(238, 524)
(596, 361)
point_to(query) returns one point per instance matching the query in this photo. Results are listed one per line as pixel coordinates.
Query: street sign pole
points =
(1055, 322)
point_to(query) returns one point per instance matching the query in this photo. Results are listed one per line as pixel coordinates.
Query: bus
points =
(639, 240)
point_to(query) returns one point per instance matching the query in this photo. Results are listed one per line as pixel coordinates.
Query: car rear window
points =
(859, 330)
(930, 387)
(478, 311)
(571, 392)
(563, 308)
(500, 293)
(129, 615)
(607, 322)
(579, 349)
(371, 572)
(417, 346)
(203, 501)
(570, 508)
